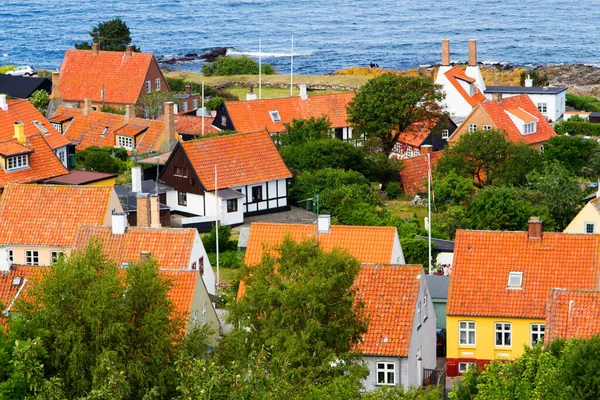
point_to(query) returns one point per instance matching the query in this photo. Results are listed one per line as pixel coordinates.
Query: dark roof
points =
(440, 244)
(595, 114)
(22, 87)
(128, 198)
(230, 194)
(525, 90)
(80, 177)
(438, 286)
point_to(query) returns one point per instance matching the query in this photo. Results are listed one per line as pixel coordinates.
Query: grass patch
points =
(228, 275)
(401, 208)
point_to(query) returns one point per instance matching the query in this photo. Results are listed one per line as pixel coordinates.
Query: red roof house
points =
(413, 175)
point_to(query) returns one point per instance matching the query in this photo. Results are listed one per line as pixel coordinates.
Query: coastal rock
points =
(212, 54)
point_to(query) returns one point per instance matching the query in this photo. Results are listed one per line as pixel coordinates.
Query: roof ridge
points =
(275, 99)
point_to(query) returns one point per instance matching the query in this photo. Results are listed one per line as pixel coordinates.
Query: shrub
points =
(213, 103)
(577, 128)
(328, 153)
(112, 110)
(227, 259)
(105, 159)
(583, 103)
(5, 68)
(40, 100)
(393, 190)
(416, 251)
(210, 240)
(225, 66)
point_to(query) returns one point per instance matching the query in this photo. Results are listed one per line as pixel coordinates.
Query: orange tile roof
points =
(241, 159)
(23, 110)
(89, 130)
(84, 75)
(572, 313)
(253, 115)
(483, 260)
(192, 125)
(8, 290)
(522, 115)
(13, 147)
(171, 248)
(457, 73)
(413, 175)
(43, 163)
(498, 115)
(50, 215)
(389, 293)
(416, 134)
(183, 290)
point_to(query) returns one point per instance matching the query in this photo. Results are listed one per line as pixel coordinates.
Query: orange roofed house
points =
(401, 339)
(106, 78)
(251, 179)
(413, 175)
(517, 116)
(272, 114)
(38, 223)
(423, 137)
(572, 314)
(500, 285)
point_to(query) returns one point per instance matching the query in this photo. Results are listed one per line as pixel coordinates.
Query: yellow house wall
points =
(44, 253)
(103, 182)
(478, 116)
(485, 347)
(587, 214)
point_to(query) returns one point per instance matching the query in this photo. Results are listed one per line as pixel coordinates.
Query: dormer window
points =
(58, 127)
(17, 162)
(515, 280)
(529, 127)
(275, 116)
(125, 141)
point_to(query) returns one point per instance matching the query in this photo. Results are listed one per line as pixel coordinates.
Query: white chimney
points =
(154, 212)
(3, 104)
(303, 94)
(5, 262)
(250, 96)
(119, 223)
(136, 179)
(528, 81)
(323, 223)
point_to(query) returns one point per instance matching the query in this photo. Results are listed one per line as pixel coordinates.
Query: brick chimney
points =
(143, 210)
(95, 48)
(55, 86)
(129, 112)
(145, 256)
(535, 228)
(169, 121)
(472, 53)
(154, 212)
(426, 149)
(20, 132)
(497, 97)
(129, 50)
(188, 89)
(445, 52)
(87, 106)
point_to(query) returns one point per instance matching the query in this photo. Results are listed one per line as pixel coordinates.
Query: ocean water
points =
(328, 35)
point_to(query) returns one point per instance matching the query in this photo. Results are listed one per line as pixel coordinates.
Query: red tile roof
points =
(23, 110)
(572, 313)
(8, 289)
(84, 75)
(192, 125)
(414, 173)
(50, 215)
(457, 73)
(498, 115)
(416, 134)
(389, 293)
(253, 115)
(77, 177)
(183, 289)
(241, 159)
(483, 260)
(171, 248)
(13, 147)
(89, 130)
(43, 163)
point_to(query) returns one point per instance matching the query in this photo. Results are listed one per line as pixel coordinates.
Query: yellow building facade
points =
(587, 220)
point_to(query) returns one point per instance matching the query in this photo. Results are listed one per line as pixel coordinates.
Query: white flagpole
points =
(429, 207)
(292, 68)
(217, 222)
(202, 108)
(259, 68)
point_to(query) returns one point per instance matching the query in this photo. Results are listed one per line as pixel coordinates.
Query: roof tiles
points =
(414, 172)
(457, 73)
(572, 313)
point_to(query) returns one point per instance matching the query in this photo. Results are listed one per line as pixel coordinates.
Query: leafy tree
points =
(301, 131)
(573, 152)
(393, 190)
(105, 159)
(583, 103)
(452, 190)
(112, 110)
(226, 65)
(209, 240)
(416, 251)
(213, 103)
(327, 153)
(383, 169)
(445, 224)
(577, 127)
(112, 35)
(40, 100)
(151, 105)
(489, 158)
(387, 105)
(539, 78)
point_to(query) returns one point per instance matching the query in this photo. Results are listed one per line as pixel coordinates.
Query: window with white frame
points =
(125, 141)
(148, 87)
(466, 332)
(487, 128)
(503, 333)
(203, 313)
(515, 279)
(223, 120)
(537, 333)
(529, 127)
(232, 205)
(419, 314)
(157, 84)
(409, 152)
(16, 162)
(58, 127)
(182, 198)
(464, 366)
(445, 134)
(542, 107)
(55, 256)
(542, 149)
(195, 317)
(195, 103)
(275, 117)
(386, 373)
(472, 127)
(590, 227)
(425, 315)
(11, 256)
(32, 257)
(416, 152)
(61, 154)
(184, 106)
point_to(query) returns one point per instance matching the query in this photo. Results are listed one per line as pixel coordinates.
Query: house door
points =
(419, 368)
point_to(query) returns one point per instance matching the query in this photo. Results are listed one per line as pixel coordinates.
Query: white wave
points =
(231, 52)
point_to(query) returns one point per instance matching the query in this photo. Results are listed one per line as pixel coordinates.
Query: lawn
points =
(228, 274)
(400, 207)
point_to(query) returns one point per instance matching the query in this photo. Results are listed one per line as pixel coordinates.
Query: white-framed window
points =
(419, 321)
(416, 152)
(542, 107)
(472, 127)
(61, 154)
(195, 318)
(125, 141)
(232, 205)
(184, 106)
(58, 127)
(409, 152)
(148, 87)
(203, 313)
(466, 333)
(537, 333)
(182, 198)
(529, 127)
(590, 227)
(257, 194)
(503, 333)
(445, 134)
(542, 149)
(275, 117)
(425, 315)
(195, 103)
(56, 255)
(386, 373)
(464, 366)
(16, 162)
(11, 256)
(487, 128)
(515, 279)
(157, 84)
(223, 120)
(32, 257)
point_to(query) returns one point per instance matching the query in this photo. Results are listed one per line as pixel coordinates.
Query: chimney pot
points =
(129, 112)
(87, 106)
(95, 48)
(472, 53)
(3, 103)
(188, 89)
(55, 85)
(129, 50)
(169, 133)
(323, 223)
(528, 81)
(445, 52)
(143, 210)
(20, 132)
(119, 223)
(535, 228)
(497, 97)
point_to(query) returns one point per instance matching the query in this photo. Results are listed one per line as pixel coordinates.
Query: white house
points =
(225, 178)
(401, 339)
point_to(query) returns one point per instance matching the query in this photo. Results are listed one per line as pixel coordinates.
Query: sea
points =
(328, 35)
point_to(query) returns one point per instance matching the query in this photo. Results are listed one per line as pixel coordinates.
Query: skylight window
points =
(104, 131)
(275, 116)
(40, 127)
(515, 280)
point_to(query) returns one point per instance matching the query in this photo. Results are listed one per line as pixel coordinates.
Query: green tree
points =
(573, 152)
(105, 159)
(111, 35)
(151, 105)
(387, 105)
(327, 153)
(453, 189)
(40, 100)
(226, 65)
(416, 251)
(301, 131)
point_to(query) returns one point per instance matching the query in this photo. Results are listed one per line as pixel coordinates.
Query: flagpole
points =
(292, 68)
(217, 223)
(259, 68)
(202, 108)
(429, 208)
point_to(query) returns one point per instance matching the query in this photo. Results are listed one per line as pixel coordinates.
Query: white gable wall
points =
(454, 103)
(475, 73)
(397, 253)
(198, 252)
